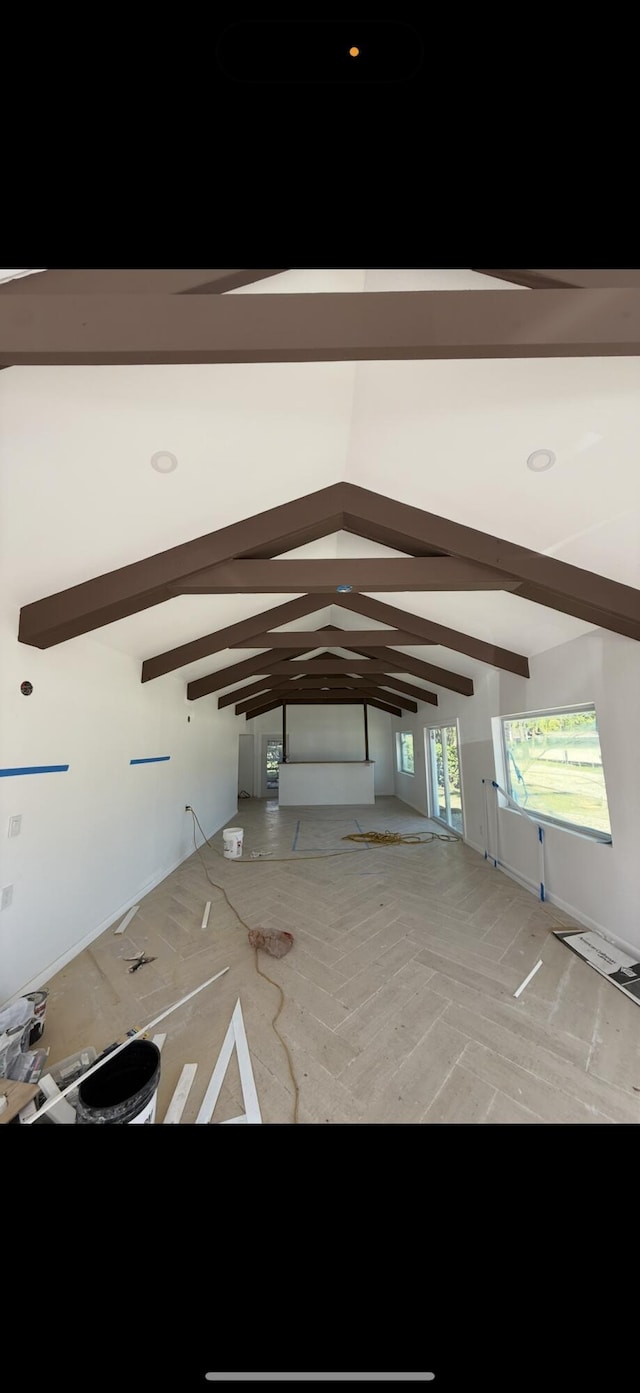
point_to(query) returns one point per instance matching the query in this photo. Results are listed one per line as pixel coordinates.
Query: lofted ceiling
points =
(447, 436)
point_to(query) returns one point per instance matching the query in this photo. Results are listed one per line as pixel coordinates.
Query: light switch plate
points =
(6, 897)
(15, 825)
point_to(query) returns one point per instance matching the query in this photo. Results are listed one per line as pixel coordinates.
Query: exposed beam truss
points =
(543, 579)
(343, 701)
(40, 328)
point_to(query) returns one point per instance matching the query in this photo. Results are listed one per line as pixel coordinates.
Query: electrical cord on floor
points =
(372, 838)
(378, 839)
(216, 886)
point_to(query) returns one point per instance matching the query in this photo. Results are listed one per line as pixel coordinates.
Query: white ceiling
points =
(78, 496)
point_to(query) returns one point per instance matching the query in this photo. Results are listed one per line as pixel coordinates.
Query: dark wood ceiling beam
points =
(136, 282)
(370, 701)
(570, 280)
(142, 584)
(388, 685)
(136, 587)
(386, 681)
(263, 683)
(590, 595)
(314, 638)
(578, 609)
(435, 633)
(532, 280)
(320, 697)
(262, 665)
(276, 577)
(442, 677)
(234, 636)
(390, 662)
(39, 328)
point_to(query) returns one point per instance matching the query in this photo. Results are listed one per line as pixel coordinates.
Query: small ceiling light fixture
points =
(164, 462)
(344, 589)
(353, 52)
(541, 460)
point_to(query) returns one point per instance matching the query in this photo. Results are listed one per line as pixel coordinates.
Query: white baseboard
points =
(577, 914)
(48, 972)
(408, 804)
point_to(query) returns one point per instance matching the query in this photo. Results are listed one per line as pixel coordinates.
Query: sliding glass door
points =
(443, 762)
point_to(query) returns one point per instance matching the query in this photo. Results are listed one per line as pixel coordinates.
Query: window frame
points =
(409, 773)
(577, 829)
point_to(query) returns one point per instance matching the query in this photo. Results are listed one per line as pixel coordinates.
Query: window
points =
(553, 768)
(405, 754)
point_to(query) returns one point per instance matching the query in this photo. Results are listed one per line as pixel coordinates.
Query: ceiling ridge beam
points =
(602, 598)
(273, 705)
(252, 667)
(357, 326)
(232, 636)
(381, 638)
(276, 575)
(320, 697)
(335, 667)
(142, 584)
(436, 633)
(137, 282)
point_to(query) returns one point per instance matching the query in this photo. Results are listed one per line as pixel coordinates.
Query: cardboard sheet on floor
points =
(235, 1036)
(618, 968)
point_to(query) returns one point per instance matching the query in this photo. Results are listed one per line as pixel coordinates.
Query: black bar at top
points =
(300, 52)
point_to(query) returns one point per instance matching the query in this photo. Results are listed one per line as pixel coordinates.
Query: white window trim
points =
(590, 834)
(408, 773)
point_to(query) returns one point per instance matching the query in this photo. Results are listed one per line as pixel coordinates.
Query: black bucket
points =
(124, 1089)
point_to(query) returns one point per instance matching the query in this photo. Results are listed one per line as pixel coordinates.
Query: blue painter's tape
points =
(157, 759)
(295, 836)
(35, 769)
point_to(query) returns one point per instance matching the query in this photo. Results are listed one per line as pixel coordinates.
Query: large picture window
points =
(406, 763)
(553, 768)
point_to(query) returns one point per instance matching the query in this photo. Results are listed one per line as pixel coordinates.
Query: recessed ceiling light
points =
(164, 462)
(541, 460)
(344, 589)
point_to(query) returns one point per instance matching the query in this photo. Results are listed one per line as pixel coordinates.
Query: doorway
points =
(442, 758)
(245, 766)
(271, 760)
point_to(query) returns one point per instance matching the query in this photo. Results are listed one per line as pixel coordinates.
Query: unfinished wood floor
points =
(398, 991)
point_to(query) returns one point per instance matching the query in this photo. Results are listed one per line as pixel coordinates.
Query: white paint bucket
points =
(233, 838)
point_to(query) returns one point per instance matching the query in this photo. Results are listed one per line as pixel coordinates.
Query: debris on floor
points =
(140, 960)
(235, 1037)
(527, 979)
(611, 962)
(109, 1054)
(277, 942)
(127, 920)
(21, 1027)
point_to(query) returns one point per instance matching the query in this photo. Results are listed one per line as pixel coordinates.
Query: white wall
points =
(97, 838)
(329, 732)
(598, 885)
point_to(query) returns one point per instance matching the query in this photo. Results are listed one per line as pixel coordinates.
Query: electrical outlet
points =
(15, 825)
(7, 897)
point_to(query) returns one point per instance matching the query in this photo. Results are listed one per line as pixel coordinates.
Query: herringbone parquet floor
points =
(399, 1001)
